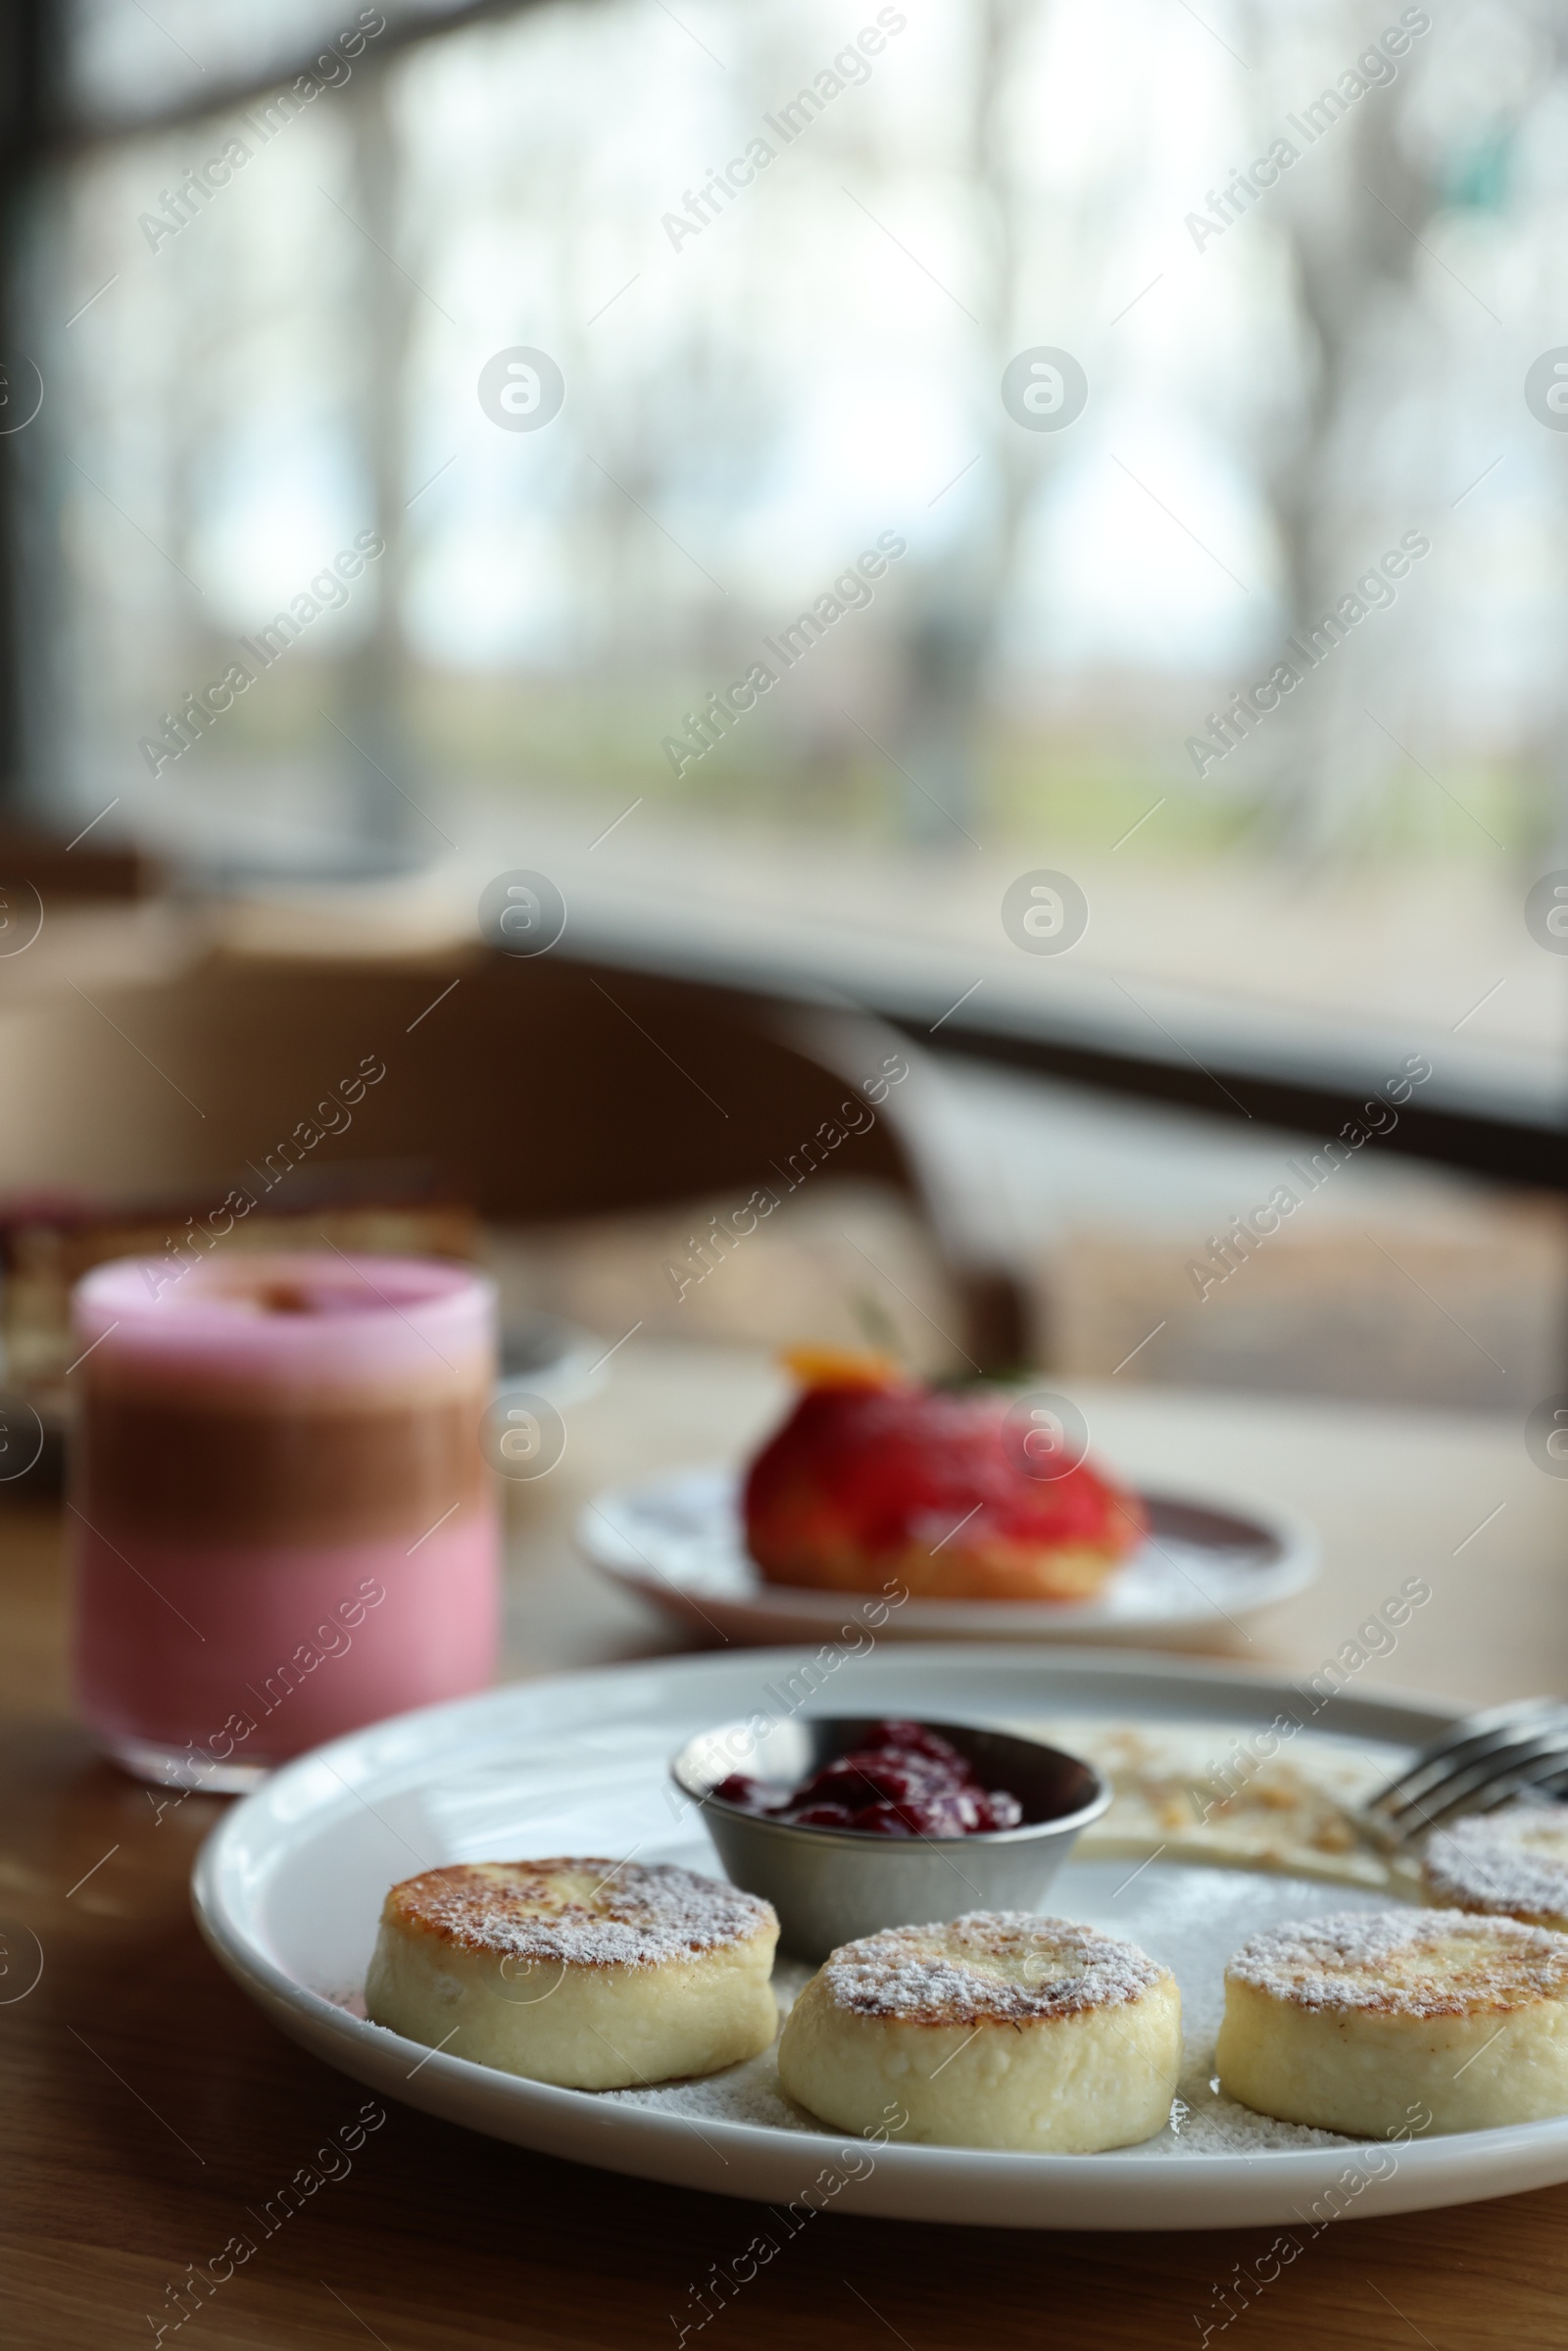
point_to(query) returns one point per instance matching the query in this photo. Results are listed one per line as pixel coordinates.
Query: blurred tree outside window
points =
(1013, 392)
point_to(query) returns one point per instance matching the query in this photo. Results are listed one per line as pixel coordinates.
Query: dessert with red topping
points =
(904, 1780)
(875, 1475)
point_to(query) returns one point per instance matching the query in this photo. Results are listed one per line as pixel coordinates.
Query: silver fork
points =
(1482, 1762)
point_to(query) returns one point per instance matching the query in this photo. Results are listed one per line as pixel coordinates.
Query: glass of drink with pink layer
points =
(281, 1523)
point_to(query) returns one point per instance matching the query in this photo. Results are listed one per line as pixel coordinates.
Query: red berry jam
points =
(904, 1781)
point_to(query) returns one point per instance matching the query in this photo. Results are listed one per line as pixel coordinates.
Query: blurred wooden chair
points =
(544, 1089)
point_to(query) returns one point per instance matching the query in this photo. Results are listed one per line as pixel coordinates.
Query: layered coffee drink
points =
(281, 1523)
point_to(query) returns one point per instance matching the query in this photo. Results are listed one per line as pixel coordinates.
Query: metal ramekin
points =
(832, 1886)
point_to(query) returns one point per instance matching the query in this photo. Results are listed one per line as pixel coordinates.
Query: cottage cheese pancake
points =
(1513, 1863)
(1000, 2030)
(1347, 2023)
(591, 1974)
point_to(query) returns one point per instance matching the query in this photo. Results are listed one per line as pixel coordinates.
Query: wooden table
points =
(146, 2103)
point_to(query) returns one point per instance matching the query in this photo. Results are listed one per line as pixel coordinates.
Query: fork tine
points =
(1483, 1756)
(1467, 1741)
(1546, 1776)
(1507, 1766)
(1474, 1755)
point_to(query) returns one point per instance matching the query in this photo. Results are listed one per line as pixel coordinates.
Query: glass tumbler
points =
(281, 1525)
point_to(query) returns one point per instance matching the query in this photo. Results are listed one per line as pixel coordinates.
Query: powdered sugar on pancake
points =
(989, 1967)
(582, 1912)
(1407, 1963)
(1513, 1862)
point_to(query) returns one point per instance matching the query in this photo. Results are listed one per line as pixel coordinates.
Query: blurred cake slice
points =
(876, 1479)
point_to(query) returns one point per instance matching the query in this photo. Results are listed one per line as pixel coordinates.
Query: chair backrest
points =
(543, 1087)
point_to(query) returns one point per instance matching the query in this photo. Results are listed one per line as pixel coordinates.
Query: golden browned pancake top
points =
(579, 1912)
(1407, 1963)
(1515, 1862)
(991, 1967)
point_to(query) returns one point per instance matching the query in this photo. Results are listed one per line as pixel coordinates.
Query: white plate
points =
(289, 1888)
(677, 1540)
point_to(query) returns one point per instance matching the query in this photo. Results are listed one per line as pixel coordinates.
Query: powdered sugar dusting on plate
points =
(1204, 2121)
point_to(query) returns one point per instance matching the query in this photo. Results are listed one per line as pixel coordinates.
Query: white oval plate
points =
(677, 1540)
(289, 1888)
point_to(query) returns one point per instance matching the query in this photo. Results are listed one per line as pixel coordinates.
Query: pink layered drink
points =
(281, 1524)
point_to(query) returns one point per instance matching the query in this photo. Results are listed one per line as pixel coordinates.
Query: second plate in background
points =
(678, 1540)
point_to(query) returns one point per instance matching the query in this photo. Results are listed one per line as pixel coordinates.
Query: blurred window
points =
(811, 477)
